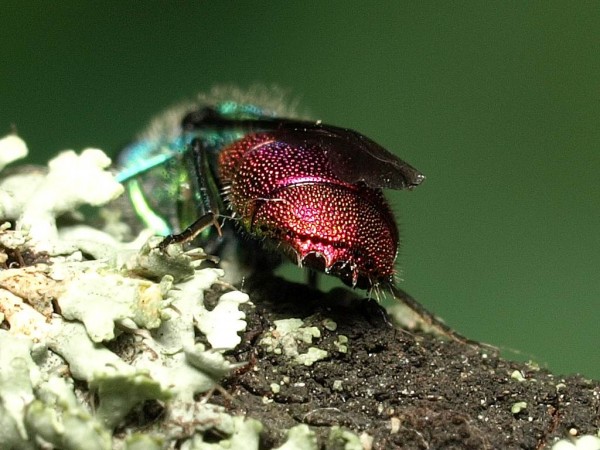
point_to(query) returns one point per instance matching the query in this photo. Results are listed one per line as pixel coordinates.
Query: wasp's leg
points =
(190, 232)
(209, 200)
(433, 321)
(312, 279)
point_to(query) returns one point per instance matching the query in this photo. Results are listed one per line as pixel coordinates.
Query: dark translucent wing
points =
(354, 157)
(145, 154)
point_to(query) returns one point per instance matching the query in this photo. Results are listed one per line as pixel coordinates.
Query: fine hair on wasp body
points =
(311, 190)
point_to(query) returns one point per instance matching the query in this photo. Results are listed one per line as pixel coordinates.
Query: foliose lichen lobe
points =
(82, 313)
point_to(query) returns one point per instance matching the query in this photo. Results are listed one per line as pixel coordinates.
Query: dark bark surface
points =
(406, 390)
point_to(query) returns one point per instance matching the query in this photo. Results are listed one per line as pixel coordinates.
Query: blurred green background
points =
(496, 102)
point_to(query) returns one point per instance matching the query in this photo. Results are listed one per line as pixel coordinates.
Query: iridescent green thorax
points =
(159, 174)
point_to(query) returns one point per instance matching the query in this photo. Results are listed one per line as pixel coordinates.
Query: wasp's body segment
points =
(290, 195)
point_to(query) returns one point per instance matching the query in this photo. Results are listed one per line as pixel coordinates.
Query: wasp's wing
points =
(144, 155)
(354, 157)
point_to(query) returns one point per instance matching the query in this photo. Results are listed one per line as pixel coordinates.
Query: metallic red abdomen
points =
(287, 193)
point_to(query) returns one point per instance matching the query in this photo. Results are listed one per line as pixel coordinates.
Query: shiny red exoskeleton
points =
(312, 190)
(289, 194)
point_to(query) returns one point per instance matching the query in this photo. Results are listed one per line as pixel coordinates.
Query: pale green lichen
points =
(343, 439)
(300, 437)
(517, 375)
(243, 434)
(225, 315)
(140, 441)
(119, 393)
(341, 343)
(59, 419)
(330, 324)
(123, 326)
(287, 336)
(18, 376)
(312, 355)
(337, 386)
(70, 181)
(12, 148)
(587, 442)
(518, 407)
(112, 299)
(149, 262)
